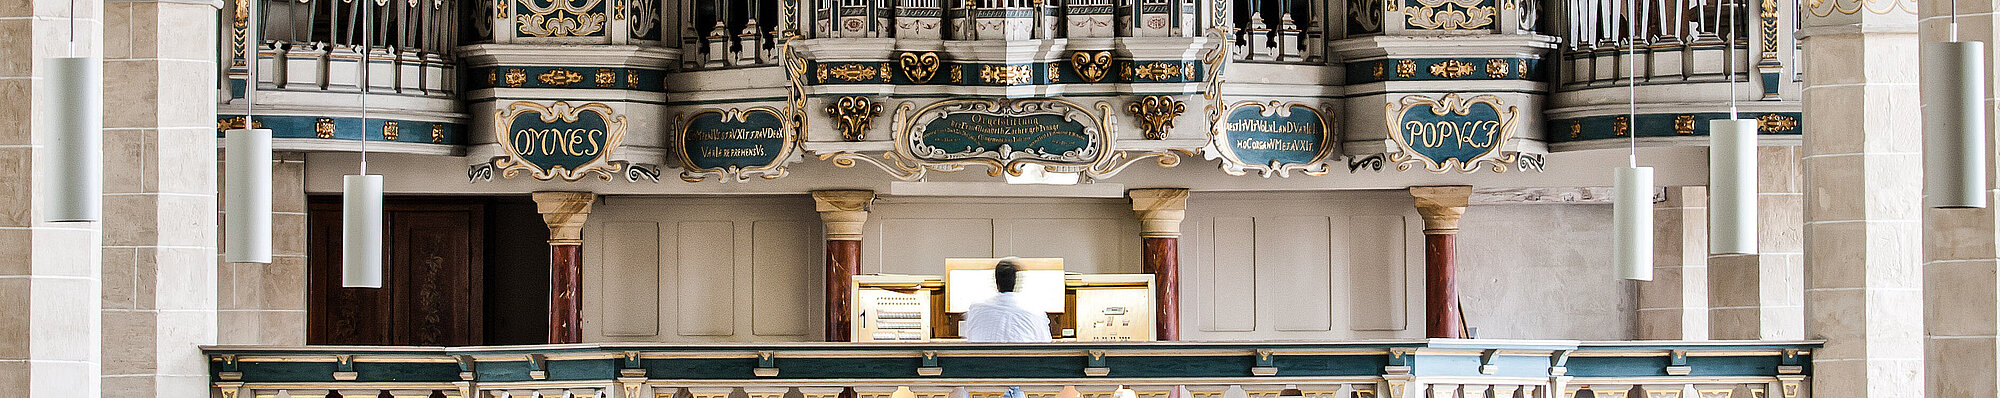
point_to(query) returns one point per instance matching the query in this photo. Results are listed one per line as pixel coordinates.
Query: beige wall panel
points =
(1229, 270)
(781, 268)
(919, 246)
(631, 263)
(1086, 245)
(705, 267)
(1377, 259)
(1540, 272)
(1294, 263)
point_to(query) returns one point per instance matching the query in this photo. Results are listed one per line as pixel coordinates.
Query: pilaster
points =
(845, 213)
(1863, 208)
(1960, 247)
(565, 213)
(1760, 296)
(1441, 207)
(1674, 306)
(1160, 211)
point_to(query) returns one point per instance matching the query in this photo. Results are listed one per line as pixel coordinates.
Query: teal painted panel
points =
(349, 129)
(584, 369)
(1160, 366)
(1296, 138)
(502, 371)
(1618, 366)
(1013, 367)
(967, 134)
(565, 144)
(847, 368)
(270, 372)
(704, 369)
(1443, 134)
(714, 141)
(1330, 365)
(398, 371)
(1665, 125)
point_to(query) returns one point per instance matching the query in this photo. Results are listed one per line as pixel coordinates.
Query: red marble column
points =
(1160, 211)
(565, 294)
(844, 213)
(843, 260)
(565, 212)
(1163, 260)
(1441, 208)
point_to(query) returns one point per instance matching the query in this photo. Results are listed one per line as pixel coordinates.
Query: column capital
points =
(564, 212)
(844, 212)
(1160, 210)
(1441, 207)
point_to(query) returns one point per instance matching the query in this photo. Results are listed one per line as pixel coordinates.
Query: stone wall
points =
(1542, 272)
(266, 303)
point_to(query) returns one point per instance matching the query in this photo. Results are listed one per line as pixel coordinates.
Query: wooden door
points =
(431, 286)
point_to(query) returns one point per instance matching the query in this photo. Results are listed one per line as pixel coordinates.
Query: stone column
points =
(1674, 306)
(845, 212)
(1863, 209)
(1441, 207)
(1160, 212)
(50, 304)
(265, 304)
(160, 196)
(1761, 296)
(565, 213)
(1961, 354)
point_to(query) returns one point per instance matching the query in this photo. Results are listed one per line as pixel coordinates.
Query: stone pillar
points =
(845, 212)
(565, 213)
(1863, 205)
(1961, 351)
(159, 224)
(50, 304)
(1760, 296)
(1160, 212)
(1674, 306)
(265, 304)
(1441, 207)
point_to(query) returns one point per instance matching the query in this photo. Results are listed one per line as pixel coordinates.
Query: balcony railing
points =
(1435, 368)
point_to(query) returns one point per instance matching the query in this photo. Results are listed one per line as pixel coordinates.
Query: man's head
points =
(1004, 273)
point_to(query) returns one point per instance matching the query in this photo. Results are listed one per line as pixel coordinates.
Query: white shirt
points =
(1001, 319)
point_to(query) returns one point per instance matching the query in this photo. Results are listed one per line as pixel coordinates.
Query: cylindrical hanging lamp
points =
(1732, 186)
(361, 231)
(246, 201)
(1632, 223)
(75, 136)
(1952, 81)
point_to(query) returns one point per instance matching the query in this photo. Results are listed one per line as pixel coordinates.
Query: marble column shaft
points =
(565, 213)
(1160, 212)
(845, 213)
(1863, 205)
(1441, 207)
(1960, 246)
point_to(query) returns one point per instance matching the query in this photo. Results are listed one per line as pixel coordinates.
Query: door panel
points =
(432, 285)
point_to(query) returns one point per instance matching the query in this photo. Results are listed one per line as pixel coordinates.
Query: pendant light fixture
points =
(361, 194)
(246, 195)
(1952, 81)
(1732, 172)
(1632, 207)
(75, 134)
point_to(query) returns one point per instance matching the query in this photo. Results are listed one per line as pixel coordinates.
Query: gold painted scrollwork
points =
(225, 124)
(1496, 68)
(323, 127)
(1824, 8)
(1095, 162)
(1006, 74)
(516, 77)
(605, 77)
(1406, 68)
(513, 164)
(1452, 69)
(848, 72)
(919, 67)
(1452, 104)
(1154, 71)
(561, 18)
(852, 115)
(1450, 14)
(390, 131)
(1620, 126)
(1773, 123)
(437, 133)
(1091, 65)
(1156, 114)
(1684, 124)
(558, 77)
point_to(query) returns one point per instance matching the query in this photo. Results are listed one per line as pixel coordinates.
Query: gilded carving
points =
(1154, 71)
(1406, 68)
(1684, 124)
(1773, 123)
(1523, 68)
(516, 77)
(1496, 68)
(1378, 72)
(1823, 8)
(437, 133)
(1767, 14)
(226, 124)
(558, 77)
(1006, 74)
(1575, 129)
(1091, 66)
(390, 131)
(605, 77)
(241, 29)
(561, 18)
(1156, 114)
(1620, 126)
(849, 72)
(1450, 14)
(1452, 132)
(914, 157)
(323, 127)
(1452, 69)
(852, 114)
(957, 73)
(557, 141)
(919, 67)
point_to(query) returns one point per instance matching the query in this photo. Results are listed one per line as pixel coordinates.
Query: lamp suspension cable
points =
(361, 206)
(1632, 209)
(72, 127)
(1732, 161)
(246, 193)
